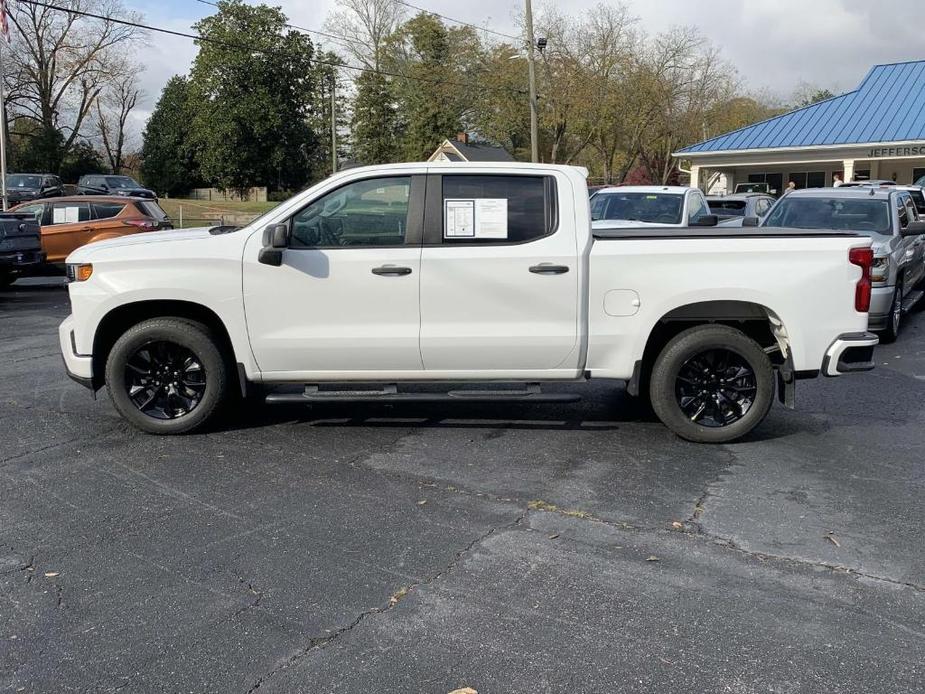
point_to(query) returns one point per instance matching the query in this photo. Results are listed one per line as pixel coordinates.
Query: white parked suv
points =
(472, 273)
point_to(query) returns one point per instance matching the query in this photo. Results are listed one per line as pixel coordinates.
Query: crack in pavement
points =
(321, 642)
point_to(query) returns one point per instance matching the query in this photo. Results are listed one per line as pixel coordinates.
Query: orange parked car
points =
(70, 222)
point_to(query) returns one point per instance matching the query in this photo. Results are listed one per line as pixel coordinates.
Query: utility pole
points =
(534, 128)
(333, 123)
(2, 131)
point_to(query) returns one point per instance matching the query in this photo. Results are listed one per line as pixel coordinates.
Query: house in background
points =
(461, 149)
(875, 131)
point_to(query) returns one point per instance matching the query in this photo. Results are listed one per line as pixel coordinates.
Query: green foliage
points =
(33, 147)
(81, 159)
(375, 121)
(254, 84)
(430, 108)
(168, 156)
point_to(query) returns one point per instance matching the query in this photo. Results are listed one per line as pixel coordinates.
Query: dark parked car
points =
(26, 186)
(20, 246)
(735, 207)
(113, 185)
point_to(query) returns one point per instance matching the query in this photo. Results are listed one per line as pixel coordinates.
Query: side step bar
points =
(389, 393)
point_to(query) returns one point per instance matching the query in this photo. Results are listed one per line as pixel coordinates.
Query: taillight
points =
(143, 224)
(863, 258)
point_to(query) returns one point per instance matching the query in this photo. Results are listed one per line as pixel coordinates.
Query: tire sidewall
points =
(686, 345)
(193, 337)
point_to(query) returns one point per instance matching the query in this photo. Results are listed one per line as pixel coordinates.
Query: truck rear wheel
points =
(167, 375)
(712, 384)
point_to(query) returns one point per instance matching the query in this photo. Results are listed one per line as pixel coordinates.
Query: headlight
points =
(79, 272)
(880, 270)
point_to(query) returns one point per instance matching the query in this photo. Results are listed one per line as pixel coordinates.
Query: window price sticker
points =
(480, 218)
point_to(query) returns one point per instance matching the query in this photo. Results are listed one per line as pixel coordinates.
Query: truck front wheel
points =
(712, 384)
(167, 375)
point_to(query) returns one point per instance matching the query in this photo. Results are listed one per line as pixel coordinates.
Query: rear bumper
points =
(850, 353)
(79, 367)
(21, 260)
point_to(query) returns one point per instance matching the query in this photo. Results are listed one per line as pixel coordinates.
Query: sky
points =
(774, 45)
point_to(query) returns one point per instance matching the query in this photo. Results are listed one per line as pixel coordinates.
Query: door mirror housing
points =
(750, 222)
(707, 220)
(914, 229)
(275, 239)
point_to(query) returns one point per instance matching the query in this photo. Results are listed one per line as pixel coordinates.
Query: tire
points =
(183, 357)
(895, 317)
(678, 384)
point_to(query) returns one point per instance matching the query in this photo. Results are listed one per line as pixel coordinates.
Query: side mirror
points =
(707, 220)
(275, 239)
(750, 222)
(913, 229)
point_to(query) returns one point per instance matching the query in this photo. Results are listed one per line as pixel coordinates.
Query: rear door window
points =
(498, 209)
(70, 212)
(106, 210)
(37, 210)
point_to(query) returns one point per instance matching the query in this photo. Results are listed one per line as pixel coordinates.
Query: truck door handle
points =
(391, 270)
(548, 269)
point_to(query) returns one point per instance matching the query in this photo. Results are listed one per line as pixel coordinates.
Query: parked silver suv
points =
(889, 216)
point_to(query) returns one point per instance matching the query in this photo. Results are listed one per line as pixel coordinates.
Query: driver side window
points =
(366, 213)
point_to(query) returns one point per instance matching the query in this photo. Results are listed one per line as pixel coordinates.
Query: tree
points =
(59, 64)
(365, 26)
(375, 121)
(113, 107)
(169, 163)
(429, 99)
(254, 84)
(807, 94)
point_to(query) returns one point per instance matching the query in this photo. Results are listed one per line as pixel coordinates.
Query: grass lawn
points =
(204, 212)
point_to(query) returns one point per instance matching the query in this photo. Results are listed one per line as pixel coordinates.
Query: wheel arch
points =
(122, 317)
(754, 319)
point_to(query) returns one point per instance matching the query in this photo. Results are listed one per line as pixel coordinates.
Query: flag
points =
(4, 22)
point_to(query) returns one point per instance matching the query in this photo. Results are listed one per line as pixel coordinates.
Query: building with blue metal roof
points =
(875, 131)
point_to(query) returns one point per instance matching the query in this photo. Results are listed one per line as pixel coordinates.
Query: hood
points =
(88, 252)
(626, 223)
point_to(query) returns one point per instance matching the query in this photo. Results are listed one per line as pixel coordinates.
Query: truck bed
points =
(717, 233)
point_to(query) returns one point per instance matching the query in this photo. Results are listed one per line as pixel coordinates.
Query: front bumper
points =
(79, 366)
(881, 300)
(850, 353)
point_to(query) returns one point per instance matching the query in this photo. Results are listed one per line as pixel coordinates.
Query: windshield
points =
(121, 182)
(23, 181)
(658, 208)
(729, 207)
(752, 188)
(862, 215)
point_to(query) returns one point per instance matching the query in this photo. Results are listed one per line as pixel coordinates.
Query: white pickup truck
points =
(463, 274)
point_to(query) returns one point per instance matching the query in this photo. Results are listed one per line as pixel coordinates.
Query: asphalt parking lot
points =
(573, 548)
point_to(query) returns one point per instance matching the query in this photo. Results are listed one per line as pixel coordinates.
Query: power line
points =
(229, 44)
(333, 37)
(458, 21)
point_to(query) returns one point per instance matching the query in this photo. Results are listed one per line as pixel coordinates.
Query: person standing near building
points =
(836, 180)
(790, 187)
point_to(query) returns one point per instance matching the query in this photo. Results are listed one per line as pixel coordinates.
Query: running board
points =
(911, 299)
(311, 394)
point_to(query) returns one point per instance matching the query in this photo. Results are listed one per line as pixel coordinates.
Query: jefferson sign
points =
(909, 151)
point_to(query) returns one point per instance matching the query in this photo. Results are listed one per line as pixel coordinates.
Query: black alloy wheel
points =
(716, 387)
(164, 380)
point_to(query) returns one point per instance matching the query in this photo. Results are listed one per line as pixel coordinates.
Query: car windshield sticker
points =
(491, 218)
(477, 218)
(459, 218)
(65, 215)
